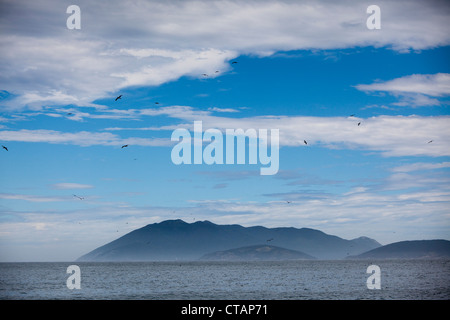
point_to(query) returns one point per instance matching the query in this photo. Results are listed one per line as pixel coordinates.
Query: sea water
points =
(293, 280)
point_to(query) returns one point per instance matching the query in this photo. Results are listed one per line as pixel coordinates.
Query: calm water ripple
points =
(318, 280)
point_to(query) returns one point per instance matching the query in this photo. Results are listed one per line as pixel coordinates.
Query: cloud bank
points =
(389, 135)
(415, 89)
(153, 42)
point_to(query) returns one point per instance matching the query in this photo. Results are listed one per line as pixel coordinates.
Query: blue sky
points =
(302, 67)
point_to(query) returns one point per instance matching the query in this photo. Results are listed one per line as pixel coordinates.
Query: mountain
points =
(417, 249)
(256, 253)
(178, 240)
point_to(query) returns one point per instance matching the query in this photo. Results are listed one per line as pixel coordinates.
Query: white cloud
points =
(40, 226)
(421, 166)
(415, 100)
(185, 63)
(82, 138)
(153, 42)
(375, 214)
(390, 135)
(228, 110)
(436, 85)
(31, 198)
(413, 90)
(405, 181)
(59, 71)
(71, 185)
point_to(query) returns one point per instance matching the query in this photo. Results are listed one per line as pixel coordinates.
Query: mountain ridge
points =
(179, 240)
(410, 249)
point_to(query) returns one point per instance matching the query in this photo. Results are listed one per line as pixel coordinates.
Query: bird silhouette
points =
(430, 141)
(288, 201)
(305, 142)
(124, 146)
(156, 102)
(359, 123)
(119, 97)
(5, 148)
(352, 115)
(269, 239)
(234, 62)
(81, 198)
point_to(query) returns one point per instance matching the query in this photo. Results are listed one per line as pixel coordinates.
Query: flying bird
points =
(359, 123)
(119, 97)
(233, 62)
(430, 141)
(81, 198)
(156, 102)
(124, 146)
(288, 201)
(352, 115)
(69, 113)
(305, 142)
(269, 239)
(217, 71)
(5, 148)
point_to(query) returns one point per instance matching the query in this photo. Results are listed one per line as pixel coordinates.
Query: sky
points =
(371, 104)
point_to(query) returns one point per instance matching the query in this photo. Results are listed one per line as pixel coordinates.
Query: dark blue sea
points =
(286, 280)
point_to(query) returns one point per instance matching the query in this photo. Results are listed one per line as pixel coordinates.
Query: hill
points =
(256, 253)
(417, 249)
(178, 240)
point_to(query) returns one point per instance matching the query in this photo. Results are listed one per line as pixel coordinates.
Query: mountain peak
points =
(174, 221)
(205, 222)
(367, 241)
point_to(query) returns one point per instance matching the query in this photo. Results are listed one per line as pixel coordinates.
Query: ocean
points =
(198, 280)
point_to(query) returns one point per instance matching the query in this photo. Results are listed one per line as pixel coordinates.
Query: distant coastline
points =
(415, 249)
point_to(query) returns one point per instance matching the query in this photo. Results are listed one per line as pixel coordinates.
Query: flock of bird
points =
(126, 145)
(205, 75)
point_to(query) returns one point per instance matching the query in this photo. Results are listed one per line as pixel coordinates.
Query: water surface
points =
(296, 280)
